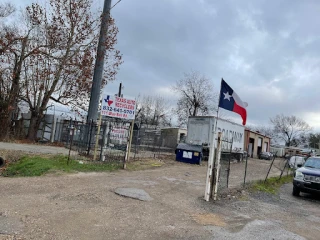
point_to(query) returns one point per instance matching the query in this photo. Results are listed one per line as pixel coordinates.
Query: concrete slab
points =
(134, 193)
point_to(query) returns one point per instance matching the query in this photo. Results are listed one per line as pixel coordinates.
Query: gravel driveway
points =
(84, 206)
(33, 148)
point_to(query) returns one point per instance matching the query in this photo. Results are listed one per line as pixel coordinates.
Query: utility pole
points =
(98, 68)
(120, 88)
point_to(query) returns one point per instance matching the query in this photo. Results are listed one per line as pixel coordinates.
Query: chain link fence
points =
(109, 142)
(235, 171)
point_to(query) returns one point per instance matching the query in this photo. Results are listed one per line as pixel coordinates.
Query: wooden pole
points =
(217, 169)
(97, 138)
(127, 156)
(211, 162)
(209, 178)
(130, 140)
(71, 142)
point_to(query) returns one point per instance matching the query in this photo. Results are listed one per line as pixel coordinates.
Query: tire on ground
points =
(1, 162)
(295, 191)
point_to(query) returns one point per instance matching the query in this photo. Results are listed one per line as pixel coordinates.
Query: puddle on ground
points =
(237, 224)
(231, 223)
(209, 219)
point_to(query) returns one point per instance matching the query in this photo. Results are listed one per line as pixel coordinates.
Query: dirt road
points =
(33, 148)
(84, 206)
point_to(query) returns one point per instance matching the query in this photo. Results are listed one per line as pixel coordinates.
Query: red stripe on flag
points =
(241, 111)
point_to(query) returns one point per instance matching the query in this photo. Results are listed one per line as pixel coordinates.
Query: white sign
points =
(120, 134)
(187, 154)
(118, 107)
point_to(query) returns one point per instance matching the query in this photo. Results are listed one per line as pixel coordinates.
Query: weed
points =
(272, 185)
(29, 166)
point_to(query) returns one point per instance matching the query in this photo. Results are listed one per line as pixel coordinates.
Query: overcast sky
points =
(268, 51)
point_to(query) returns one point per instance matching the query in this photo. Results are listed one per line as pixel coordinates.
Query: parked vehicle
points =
(201, 129)
(307, 177)
(296, 161)
(279, 151)
(265, 155)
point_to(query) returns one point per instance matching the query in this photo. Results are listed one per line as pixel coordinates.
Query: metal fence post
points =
(274, 157)
(229, 164)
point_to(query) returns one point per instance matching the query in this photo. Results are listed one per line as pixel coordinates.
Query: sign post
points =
(127, 156)
(97, 138)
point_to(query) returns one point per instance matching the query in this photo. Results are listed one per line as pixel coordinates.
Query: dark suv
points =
(307, 178)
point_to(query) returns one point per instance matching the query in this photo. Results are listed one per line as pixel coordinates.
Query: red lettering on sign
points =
(131, 102)
(121, 100)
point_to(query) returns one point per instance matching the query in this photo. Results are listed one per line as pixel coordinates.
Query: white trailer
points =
(201, 130)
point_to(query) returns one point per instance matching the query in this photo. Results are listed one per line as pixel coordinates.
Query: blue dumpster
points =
(189, 153)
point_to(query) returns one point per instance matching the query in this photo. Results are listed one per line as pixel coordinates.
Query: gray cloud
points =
(268, 51)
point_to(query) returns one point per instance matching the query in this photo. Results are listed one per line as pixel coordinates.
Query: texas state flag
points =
(229, 100)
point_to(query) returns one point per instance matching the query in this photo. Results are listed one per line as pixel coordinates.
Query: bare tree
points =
(290, 129)
(314, 140)
(153, 110)
(54, 60)
(15, 47)
(6, 9)
(197, 97)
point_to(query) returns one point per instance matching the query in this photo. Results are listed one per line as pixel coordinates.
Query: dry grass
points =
(144, 164)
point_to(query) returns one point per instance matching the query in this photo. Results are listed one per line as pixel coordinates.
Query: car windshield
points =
(313, 163)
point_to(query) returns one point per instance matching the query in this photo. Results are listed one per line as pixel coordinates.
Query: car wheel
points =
(295, 191)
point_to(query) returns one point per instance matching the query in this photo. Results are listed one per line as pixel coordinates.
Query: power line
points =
(115, 4)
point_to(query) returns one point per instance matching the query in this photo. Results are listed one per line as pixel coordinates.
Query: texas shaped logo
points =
(107, 100)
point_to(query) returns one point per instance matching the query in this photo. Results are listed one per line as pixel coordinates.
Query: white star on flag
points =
(227, 96)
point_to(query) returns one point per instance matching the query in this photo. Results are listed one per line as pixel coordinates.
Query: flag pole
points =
(215, 127)
(211, 163)
(214, 169)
